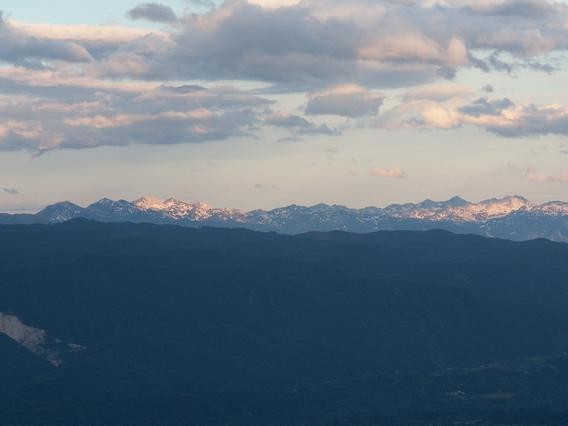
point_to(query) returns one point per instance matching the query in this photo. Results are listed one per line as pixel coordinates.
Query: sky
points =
(265, 103)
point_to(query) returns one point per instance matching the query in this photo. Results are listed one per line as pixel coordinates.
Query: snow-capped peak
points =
(150, 203)
(458, 209)
(497, 207)
(61, 212)
(175, 209)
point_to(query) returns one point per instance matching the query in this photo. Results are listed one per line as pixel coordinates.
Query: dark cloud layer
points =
(10, 191)
(484, 106)
(24, 50)
(116, 116)
(154, 12)
(318, 44)
(114, 86)
(298, 124)
(378, 43)
(519, 8)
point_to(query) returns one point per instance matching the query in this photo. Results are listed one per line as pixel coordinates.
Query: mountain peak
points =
(60, 212)
(511, 200)
(431, 204)
(457, 202)
(507, 199)
(103, 202)
(64, 204)
(149, 203)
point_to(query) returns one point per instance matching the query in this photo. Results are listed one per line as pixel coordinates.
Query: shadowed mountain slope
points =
(223, 324)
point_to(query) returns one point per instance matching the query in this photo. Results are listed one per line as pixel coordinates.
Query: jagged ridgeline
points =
(510, 217)
(138, 324)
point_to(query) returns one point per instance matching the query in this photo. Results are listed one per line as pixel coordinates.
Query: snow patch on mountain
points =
(61, 212)
(554, 208)
(180, 210)
(459, 210)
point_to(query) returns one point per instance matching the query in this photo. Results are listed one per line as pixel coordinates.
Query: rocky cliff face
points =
(36, 340)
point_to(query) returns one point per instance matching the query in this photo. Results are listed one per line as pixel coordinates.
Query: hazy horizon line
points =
(30, 208)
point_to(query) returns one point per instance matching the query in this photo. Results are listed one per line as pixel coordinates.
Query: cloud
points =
(137, 115)
(11, 191)
(102, 112)
(396, 173)
(261, 186)
(428, 106)
(317, 42)
(535, 176)
(298, 124)
(88, 34)
(312, 43)
(153, 12)
(117, 85)
(22, 49)
(547, 178)
(508, 119)
(208, 4)
(519, 8)
(499, 116)
(415, 47)
(348, 100)
(275, 4)
(484, 107)
(444, 91)
(290, 139)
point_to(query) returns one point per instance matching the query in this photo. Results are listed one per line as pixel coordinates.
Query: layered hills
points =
(172, 325)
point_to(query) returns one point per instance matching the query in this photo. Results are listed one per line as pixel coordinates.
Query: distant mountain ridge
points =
(512, 217)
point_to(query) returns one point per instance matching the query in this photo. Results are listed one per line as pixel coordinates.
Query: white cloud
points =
(348, 100)
(102, 33)
(395, 173)
(444, 91)
(500, 116)
(534, 176)
(415, 47)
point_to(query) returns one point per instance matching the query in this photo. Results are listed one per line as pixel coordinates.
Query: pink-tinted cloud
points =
(395, 172)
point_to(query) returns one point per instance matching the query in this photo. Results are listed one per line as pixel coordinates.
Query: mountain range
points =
(512, 217)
